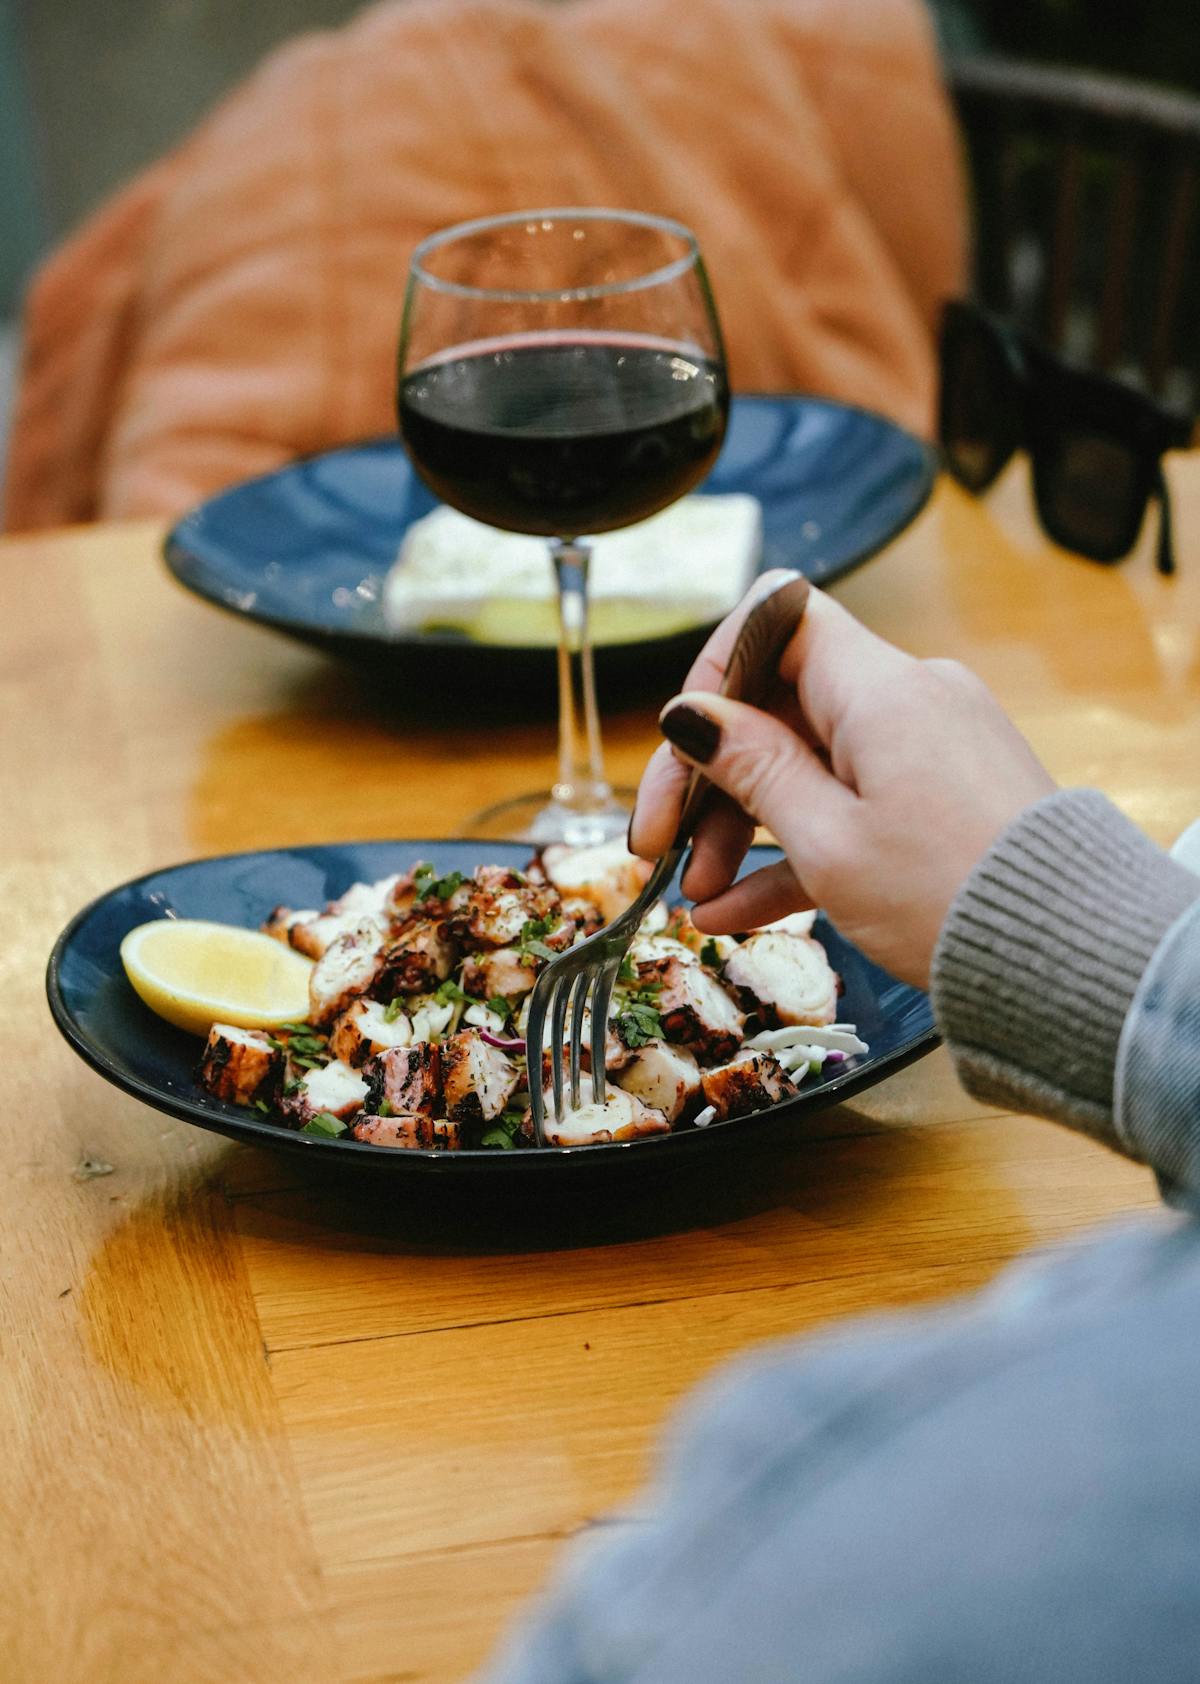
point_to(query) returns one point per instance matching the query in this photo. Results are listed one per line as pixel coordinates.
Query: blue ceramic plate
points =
(305, 549)
(104, 1020)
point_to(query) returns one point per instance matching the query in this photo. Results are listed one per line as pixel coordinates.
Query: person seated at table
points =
(1004, 1490)
(239, 304)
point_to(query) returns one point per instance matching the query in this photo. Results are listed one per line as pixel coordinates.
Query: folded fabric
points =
(238, 304)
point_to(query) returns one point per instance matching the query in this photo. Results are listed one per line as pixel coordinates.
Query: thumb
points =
(766, 768)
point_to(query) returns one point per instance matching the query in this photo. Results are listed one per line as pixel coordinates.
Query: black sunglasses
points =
(1095, 444)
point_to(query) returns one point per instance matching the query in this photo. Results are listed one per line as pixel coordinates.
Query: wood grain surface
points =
(252, 1428)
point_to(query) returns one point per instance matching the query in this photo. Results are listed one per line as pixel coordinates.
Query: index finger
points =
(659, 803)
(660, 791)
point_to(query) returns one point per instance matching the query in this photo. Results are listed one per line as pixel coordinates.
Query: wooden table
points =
(254, 1432)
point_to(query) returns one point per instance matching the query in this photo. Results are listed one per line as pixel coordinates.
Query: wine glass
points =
(561, 373)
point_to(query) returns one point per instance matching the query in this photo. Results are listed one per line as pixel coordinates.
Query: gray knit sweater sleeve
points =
(1042, 954)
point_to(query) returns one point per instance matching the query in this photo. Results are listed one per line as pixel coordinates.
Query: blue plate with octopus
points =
(106, 1023)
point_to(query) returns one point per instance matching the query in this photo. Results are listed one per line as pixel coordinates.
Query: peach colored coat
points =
(238, 304)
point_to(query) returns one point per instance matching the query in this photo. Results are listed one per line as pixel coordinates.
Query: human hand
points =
(883, 778)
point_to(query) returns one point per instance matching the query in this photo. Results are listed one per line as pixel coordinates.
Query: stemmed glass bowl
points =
(561, 373)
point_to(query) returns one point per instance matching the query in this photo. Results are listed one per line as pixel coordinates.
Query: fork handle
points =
(749, 672)
(762, 637)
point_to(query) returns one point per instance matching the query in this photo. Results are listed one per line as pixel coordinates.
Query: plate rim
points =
(175, 552)
(271, 1136)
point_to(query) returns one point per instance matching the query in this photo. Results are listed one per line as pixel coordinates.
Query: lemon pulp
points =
(195, 974)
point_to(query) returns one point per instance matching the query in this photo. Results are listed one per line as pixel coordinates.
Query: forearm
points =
(1042, 976)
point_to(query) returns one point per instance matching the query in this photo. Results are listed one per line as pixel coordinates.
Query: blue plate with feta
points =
(314, 550)
(107, 1024)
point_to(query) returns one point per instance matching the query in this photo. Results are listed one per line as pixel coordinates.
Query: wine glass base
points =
(539, 820)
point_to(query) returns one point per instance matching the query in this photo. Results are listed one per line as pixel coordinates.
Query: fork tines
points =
(581, 981)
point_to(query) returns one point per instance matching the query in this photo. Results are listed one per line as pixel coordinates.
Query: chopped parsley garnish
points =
(503, 1131)
(385, 1108)
(449, 991)
(308, 1046)
(261, 1105)
(710, 954)
(305, 1046)
(532, 931)
(427, 885)
(639, 1023)
(394, 1009)
(628, 970)
(326, 1125)
(501, 1007)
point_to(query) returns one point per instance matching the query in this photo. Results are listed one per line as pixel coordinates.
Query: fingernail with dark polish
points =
(692, 731)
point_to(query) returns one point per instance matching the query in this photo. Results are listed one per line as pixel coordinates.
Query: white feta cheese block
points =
(685, 566)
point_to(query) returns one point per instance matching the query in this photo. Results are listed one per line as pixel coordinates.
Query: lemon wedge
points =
(196, 974)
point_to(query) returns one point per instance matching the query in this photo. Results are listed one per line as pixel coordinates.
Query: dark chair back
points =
(1085, 200)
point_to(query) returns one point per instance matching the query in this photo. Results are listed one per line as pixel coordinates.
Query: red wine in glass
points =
(561, 374)
(564, 435)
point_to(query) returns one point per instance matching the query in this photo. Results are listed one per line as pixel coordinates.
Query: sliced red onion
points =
(835, 1058)
(506, 1043)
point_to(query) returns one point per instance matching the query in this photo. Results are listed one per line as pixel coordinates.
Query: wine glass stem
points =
(582, 786)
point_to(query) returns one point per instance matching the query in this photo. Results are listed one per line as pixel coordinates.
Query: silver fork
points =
(582, 979)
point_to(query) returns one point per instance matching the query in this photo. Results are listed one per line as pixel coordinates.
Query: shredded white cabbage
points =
(834, 1037)
(484, 1018)
(431, 1018)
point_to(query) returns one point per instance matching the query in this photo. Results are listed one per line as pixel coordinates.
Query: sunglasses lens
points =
(978, 422)
(1091, 493)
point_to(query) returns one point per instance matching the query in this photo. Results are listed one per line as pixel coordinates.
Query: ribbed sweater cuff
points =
(1042, 952)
